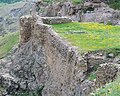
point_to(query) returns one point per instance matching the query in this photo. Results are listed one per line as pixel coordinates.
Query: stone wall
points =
(29, 63)
(65, 67)
(55, 20)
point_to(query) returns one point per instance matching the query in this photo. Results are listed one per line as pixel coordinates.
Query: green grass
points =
(111, 89)
(7, 42)
(92, 76)
(77, 1)
(90, 36)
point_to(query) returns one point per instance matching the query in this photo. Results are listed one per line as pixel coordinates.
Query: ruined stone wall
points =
(65, 67)
(65, 64)
(55, 20)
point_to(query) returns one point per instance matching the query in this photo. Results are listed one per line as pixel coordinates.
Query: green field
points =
(86, 36)
(90, 36)
(7, 42)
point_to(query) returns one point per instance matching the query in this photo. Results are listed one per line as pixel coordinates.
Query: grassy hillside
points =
(7, 42)
(90, 36)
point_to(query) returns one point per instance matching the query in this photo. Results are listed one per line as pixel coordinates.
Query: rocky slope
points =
(10, 14)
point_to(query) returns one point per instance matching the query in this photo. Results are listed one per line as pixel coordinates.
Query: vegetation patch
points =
(111, 89)
(77, 1)
(7, 42)
(92, 76)
(37, 92)
(114, 4)
(91, 36)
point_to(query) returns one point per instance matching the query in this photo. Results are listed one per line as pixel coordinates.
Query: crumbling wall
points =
(29, 63)
(65, 67)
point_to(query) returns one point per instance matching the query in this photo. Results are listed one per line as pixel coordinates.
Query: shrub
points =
(114, 4)
(37, 92)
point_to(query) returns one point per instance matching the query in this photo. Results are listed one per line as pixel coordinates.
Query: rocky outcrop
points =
(105, 74)
(116, 17)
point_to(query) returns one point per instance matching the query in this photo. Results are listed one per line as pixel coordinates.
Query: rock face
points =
(116, 18)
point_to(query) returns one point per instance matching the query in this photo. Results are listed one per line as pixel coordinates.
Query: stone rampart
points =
(66, 67)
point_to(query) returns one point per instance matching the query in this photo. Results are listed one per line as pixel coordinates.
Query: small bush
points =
(76, 1)
(114, 4)
(92, 76)
(109, 23)
(37, 92)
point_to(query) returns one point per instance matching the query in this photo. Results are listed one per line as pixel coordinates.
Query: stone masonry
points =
(44, 59)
